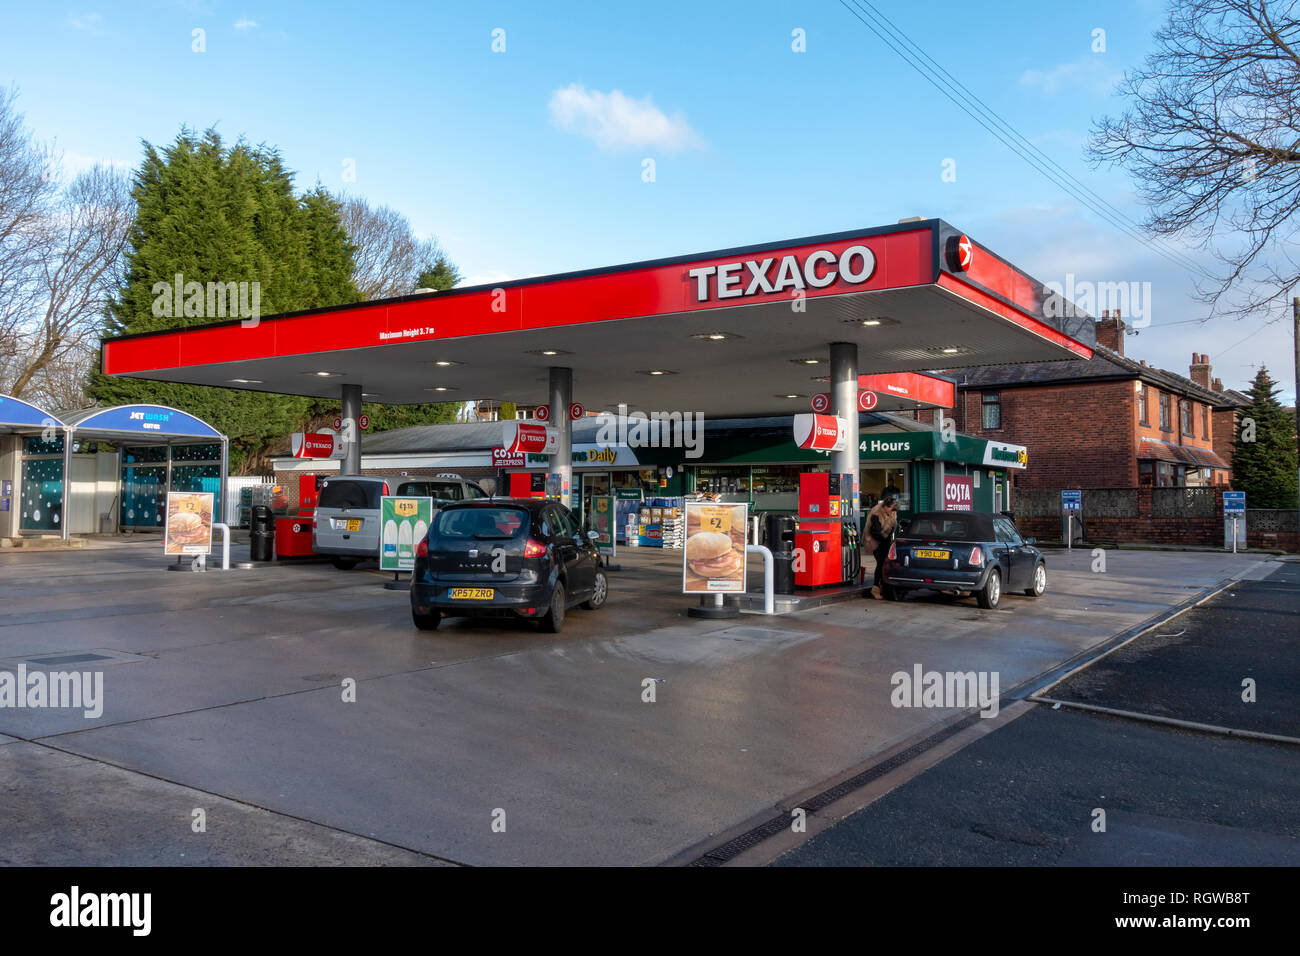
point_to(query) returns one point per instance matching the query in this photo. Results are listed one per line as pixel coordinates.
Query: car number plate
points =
(353, 525)
(931, 553)
(471, 594)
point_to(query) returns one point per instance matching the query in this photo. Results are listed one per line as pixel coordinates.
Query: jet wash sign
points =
(818, 269)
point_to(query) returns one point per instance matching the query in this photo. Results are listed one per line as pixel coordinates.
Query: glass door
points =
(595, 483)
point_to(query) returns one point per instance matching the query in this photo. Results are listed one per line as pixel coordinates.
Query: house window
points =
(1146, 472)
(1185, 416)
(1205, 421)
(1164, 413)
(1164, 474)
(992, 410)
(1144, 407)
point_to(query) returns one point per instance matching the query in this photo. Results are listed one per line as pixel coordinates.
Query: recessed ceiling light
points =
(444, 363)
(791, 395)
(656, 371)
(807, 361)
(370, 394)
(871, 322)
(441, 388)
(548, 352)
(821, 378)
(716, 336)
(951, 350)
(321, 374)
(246, 381)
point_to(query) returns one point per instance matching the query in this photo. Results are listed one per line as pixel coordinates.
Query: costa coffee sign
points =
(821, 432)
(816, 270)
(958, 493)
(506, 459)
(527, 437)
(315, 445)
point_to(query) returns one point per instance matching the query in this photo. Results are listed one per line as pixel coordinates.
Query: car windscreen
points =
(341, 493)
(480, 524)
(948, 527)
(440, 490)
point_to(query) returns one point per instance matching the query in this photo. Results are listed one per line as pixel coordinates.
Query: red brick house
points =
(1104, 422)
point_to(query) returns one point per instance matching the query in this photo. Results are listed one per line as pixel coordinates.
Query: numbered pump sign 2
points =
(403, 522)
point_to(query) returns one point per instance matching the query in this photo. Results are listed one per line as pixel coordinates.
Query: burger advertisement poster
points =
(714, 556)
(189, 523)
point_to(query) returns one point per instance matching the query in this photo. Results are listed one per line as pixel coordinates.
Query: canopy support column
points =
(222, 496)
(844, 404)
(65, 506)
(561, 398)
(351, 429)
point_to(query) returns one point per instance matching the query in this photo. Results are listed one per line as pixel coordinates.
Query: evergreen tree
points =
(228, 214)
(1264, 448)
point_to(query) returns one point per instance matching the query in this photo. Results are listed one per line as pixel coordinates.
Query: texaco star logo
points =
(962, 255)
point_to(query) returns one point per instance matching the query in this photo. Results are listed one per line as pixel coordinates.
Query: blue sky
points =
(530, 161)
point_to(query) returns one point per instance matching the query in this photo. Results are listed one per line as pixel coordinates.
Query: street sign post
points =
(1234, 519)
(1071, 502)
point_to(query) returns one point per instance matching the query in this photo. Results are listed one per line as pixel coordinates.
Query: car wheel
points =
(599, 595)
(427, 622)
(1040, 581)
(346, 564)
(991, 595)
(554, 619)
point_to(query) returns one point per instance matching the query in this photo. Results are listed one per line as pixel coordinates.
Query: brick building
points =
(1104, 422)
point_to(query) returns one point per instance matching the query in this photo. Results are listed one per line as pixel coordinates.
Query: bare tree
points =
(389, 258)
(1212, 137)
(79, 256)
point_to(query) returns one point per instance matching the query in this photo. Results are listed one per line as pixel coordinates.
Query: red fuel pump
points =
(293, 533)
(820, 532)
(527, 484)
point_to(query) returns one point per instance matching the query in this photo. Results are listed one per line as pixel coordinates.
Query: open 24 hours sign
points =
(403, 523)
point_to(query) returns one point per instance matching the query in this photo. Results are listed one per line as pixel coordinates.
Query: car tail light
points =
(534, 549)
(386, 488)
(893, 551)
(976, 557)
(422, 549)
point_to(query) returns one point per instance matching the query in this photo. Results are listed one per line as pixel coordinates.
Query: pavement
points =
(227, 692)
(1028, 792)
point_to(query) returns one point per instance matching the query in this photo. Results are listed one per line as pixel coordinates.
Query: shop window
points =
(992, 402)
(1144, 406)
(722, 480)
(1165, 422)
(875, 483)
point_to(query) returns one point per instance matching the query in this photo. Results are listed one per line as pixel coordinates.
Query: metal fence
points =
(234, 485)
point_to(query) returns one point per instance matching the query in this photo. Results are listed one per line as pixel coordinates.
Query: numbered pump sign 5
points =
(404, 522)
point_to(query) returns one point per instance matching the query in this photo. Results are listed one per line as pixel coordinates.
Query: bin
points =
(261, 534)
(778, 533)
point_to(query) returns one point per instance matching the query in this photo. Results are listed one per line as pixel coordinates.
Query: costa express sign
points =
(958, 493)
(821, 432)
(526, 437)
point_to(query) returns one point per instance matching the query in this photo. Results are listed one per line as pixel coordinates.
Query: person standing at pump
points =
(881, 522)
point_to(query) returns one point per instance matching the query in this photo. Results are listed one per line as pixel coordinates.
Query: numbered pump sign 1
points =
(404, 523)
(713, 561)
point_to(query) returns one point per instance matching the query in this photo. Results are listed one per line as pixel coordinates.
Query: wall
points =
(1077, 435)
(1167, 516)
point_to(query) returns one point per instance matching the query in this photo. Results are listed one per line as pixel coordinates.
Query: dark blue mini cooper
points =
(964, 553)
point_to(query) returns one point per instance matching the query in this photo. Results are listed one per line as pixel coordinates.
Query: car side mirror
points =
(1031, 541)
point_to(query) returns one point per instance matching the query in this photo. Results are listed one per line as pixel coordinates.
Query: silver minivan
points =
(347, 521)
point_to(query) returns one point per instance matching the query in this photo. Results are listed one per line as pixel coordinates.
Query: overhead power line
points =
(1004, 132)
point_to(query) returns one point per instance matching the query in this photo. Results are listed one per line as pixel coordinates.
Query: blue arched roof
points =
(143, 420)
(17, 415)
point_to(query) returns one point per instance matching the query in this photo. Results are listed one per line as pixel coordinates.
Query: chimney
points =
(1218, 384)
(1201, 370)
(1110, 331)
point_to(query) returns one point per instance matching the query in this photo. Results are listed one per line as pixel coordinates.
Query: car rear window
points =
(441, 490)
(341, 493)
(481, 523)
(958, 529)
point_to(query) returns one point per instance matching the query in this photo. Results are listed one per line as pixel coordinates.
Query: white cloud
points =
(73, 164)
(1090, 75)
(615, 121)
(88, 22)
(243, 23)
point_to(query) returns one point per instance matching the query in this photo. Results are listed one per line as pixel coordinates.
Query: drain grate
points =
(69, 659)
(770, 828)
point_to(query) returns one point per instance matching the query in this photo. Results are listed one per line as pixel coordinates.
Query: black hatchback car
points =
(506, 557)
(963, 553)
